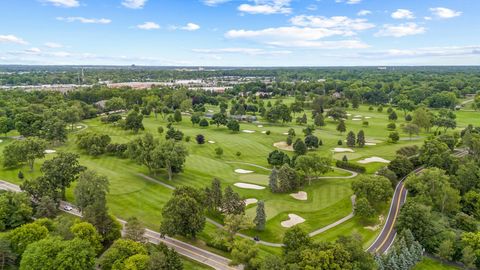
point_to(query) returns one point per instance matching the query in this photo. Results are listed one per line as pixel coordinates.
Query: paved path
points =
(387, 236)
(190, 251)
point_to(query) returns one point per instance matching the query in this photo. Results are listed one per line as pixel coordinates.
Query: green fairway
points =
(328, 199)
(429, 264)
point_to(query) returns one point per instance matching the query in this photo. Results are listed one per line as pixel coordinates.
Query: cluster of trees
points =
(359, 140)
(155, 154)
(305, 168)
(371, 192)
(404, 254)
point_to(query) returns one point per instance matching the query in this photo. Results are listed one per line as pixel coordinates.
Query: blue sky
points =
(240, 32)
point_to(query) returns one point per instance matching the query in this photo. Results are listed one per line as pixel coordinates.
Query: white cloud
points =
(346, 24)
(148, 26)
(84, 20)
(402, 14)
(427, 18)
(425, 52)
(302, 37)
(267, 7)
(364, 12)
(191, 27)
(445, 13)
(12, 39)
(188, 27)
(400, 30)
(134, 4)
(312, 7)
(64, 3)
(53, 45)
(33, 50)
(247, 51)
(350, 2)
(213, 3)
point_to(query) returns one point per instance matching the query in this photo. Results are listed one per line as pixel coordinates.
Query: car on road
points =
(67, 208)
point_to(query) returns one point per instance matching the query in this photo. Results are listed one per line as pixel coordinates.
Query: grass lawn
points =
(430, 264)
(328, 199)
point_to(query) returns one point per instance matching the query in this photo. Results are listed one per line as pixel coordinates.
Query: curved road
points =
(192, 252)
(387, 236)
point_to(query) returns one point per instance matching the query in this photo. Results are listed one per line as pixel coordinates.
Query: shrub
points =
(408, 118)
(394, 137)
(160, 129)
(380, 108)
(370, 108)
(268, 132)
(219, 151)
(238, 154)
(391, 126)
(187, 139)
(340, 142)
(116, 149)
(200, 139)
(289, 140)
(350, 166)
(365, 123)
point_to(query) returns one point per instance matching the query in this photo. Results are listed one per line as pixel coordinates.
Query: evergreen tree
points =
(351, 139)
(232, 204)
(216, 193)
(319, 120)
(287, 178)
(260, 218)
(299, 147)
(341, 127)
(361, 138)
(273, 180)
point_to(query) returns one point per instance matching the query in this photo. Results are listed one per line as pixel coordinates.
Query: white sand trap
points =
(250, 201)
(283, 146)
(358, 116)
(1, 141)
(349, 114)
(293, 220)
(373, 159)
(79, 126)
(370, 144)
(367, 117)
(260, 126)
(263, 132)
(242, 171)
(356, 119)
(373, 141)
(212, 142)
(342, 150)
(123, 117)
(285, 133)
(301, 195)
(248, 186)
(210, 110)
(248, 131)
(330, 117)
(48, 151)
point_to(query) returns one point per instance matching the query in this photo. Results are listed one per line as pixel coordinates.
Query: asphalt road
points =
(387, 236)
(192, 252)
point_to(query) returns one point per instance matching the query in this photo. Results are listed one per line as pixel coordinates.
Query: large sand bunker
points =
(373, 159)
(283, 146)
(242, 171)
(292, 221)
(248, 186)
(250, 201)
(342, 150)
(48, 151)
(301, 195)
(248, 131)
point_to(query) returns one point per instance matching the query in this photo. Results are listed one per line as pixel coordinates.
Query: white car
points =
(67, 208)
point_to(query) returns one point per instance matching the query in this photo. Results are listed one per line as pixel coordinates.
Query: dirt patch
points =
(283, 146)
(292, 221)
(248, 186)
(301, 195)
(375, 227)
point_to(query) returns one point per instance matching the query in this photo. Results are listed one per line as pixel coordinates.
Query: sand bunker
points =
(283, 146)
(293, 220)
(367, 117)
(211, 142)
(357, 116)
(373, 141)
(263, 132)
(250, 201)
(349, 114)
(79, 126)
(260, 126)
(248, 186)
(370, 144)
(301, 195)
(1, 141)
(373, 159)
(210, 111)
(342, 150)
(356, 119)
(242, 171)
(248, 131)
(285, 133)
(48, 151)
